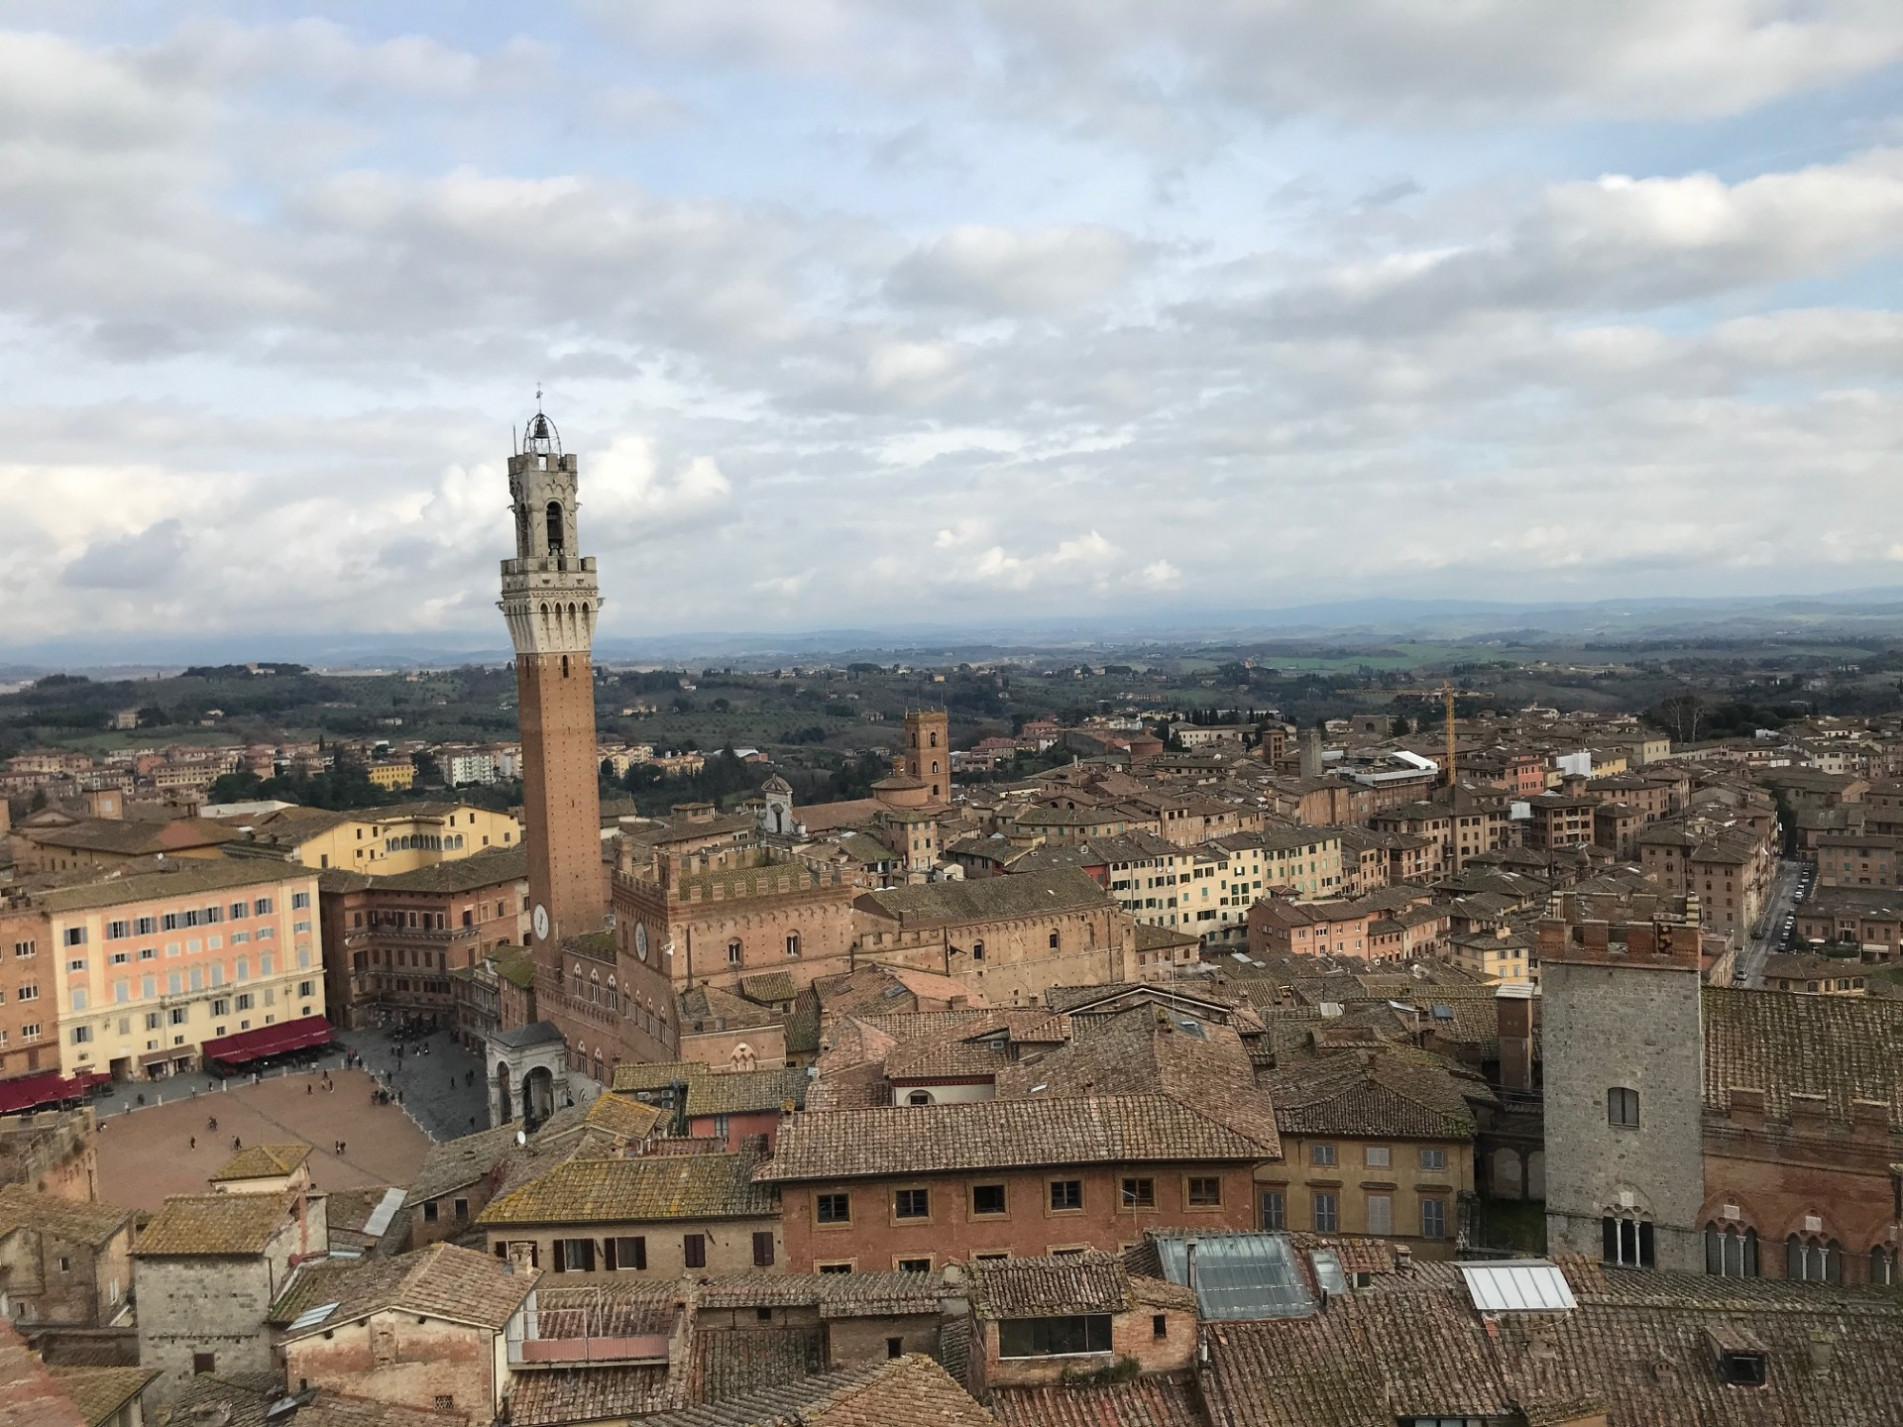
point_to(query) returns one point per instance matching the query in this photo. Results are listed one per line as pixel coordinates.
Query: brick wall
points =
(393, 1358)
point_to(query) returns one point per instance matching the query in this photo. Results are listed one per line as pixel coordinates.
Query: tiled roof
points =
(1091, 1282)
(557, 1397)
(740, 1092)
(835, 1295)
(999, 1134)
(732, 1362)
(442, 1281)
(232, 1402)
(632, 1075)
(912, 1391)
(990, 898)
(1147, 1402)
(1769, 1041)
(769, 989)
(99, 1393)
(214, 1224)
(188, 875)
(263, 1162)
(451, 1164)
(616, 1191)
(606, 1310)
(77, 1223)
(30, 1396)
(463, 874)
(622, 1116)
(1386, 1096)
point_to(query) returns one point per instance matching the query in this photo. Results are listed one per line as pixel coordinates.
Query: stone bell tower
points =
(550, 600)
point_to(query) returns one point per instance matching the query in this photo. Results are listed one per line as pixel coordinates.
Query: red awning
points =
(268, 1040)
(49, 1087)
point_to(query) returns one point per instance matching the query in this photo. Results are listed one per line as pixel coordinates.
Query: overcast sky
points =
(863, 313)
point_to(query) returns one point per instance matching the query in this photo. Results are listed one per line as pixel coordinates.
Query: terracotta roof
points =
(606, 1310)
(77, 1223)
(741, 1092)
(263, 1162)
(451, 1164)
(1768, 1041)
(1090, 1282)
(185, 877)
(30, 1396)
(1382, 1096)
(617, 1191)
(558, 1397)
(622, 1116)
(769, 988)
(487, 868)
(442, 1281)
(733, 1362)
(835, 1295)
(99, 1393)
(1147, 1402)
(214, 1224)
(911, 1391)
(998, 1134)
(633, 1075)
(232, 1402)
(988, 899)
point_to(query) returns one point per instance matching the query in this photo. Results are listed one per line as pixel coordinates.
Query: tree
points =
(1400, 726)
(1679, 715)
(428, 770)
(235, 788)
(153, 717)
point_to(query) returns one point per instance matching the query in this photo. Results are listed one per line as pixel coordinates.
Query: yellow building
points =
(392, 775)
(152, 965)
(383, 841)
(1495, 956)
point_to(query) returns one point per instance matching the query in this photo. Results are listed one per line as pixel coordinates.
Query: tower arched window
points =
(555, 540)
(564, 666)
(1627, 1241)
(1883, 1267)
(1811, 1259)
(1731, 1252)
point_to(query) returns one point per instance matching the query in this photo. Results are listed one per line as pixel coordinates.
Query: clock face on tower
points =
(641, 940)
(541, 922)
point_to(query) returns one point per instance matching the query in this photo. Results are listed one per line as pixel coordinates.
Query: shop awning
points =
(29, 1092)
(248, 1046)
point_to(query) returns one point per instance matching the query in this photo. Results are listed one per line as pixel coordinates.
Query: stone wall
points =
(394, 1358)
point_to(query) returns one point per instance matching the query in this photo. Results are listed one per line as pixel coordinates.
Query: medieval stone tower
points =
(550, 601)
(928, 750)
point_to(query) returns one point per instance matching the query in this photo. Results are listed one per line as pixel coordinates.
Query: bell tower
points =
(550, 600)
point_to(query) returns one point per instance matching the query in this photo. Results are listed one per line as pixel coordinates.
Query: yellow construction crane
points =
(1448, 693)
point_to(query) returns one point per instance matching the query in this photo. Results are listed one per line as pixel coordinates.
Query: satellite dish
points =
(521, 1137)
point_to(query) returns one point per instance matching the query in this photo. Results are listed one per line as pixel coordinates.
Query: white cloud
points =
(1013, 272)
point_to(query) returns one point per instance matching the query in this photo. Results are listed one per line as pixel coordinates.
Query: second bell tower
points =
(551, 601)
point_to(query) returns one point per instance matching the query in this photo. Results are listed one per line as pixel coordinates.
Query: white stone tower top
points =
(549, 595)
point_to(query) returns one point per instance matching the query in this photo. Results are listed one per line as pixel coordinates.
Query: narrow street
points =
(1770, 938)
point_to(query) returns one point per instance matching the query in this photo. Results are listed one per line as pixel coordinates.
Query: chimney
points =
(1404, 1258)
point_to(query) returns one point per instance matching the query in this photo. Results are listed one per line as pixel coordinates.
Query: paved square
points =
(146, 1155)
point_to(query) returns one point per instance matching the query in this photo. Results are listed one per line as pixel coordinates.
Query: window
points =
(832, 1209)
(1379, 1156)
(977, 951)
(1327, 1214)
(1731, 1253)
(1433, 1218)
(75, 936)
(1274, 1215)
(1742, 1369)
(1205, 1192)
(574, 1256)
(77, 964)
(1159, 1326)
(694, 1250)
(733, 952)
(1054, 1337)
(445, 1401)
(300, 900)
(27, 993)
(763, 1248)
(919, 1097)
(120, 958)
(1380, 1214)
(915, 1265)
(245, 1001)
(462, 1208)
(1067, 1195)
(118, 931)
(1433, 1159)
(304, 987)
(1626, 1243)
(1622, 1107)
(987, 1199)
(1139, 1194)
(23, 949)
(1883, 1267)
(1321, 1154)
(912, 1204)
(1054, 939)
(1812, 1260)
(204, 1363)
(429, 1215)
(82, 1035)
(792, 943)
(834, 1267)
(630, 1253)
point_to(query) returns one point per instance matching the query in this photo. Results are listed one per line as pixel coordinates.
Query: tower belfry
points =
(551, 601)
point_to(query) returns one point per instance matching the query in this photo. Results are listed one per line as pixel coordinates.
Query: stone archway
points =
(504, 1108)
(538, 1096)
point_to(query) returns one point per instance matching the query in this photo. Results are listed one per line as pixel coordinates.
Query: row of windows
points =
(622, 1253)
(1731, 1252)
(119, 930)
(991, 1200)
(1325, 1214)
(1376, 1156)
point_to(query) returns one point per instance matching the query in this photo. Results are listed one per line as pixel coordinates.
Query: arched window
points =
(919, 1097)
(977, 951)
(792, 943)
(1731, 1252)
(1622, 1107)
(564, 666)
(934, 744)
(733, 952)
(1054, 938)
(1627, 1243)
(1810, 1259)
(1883, 1267)
(555, 540)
